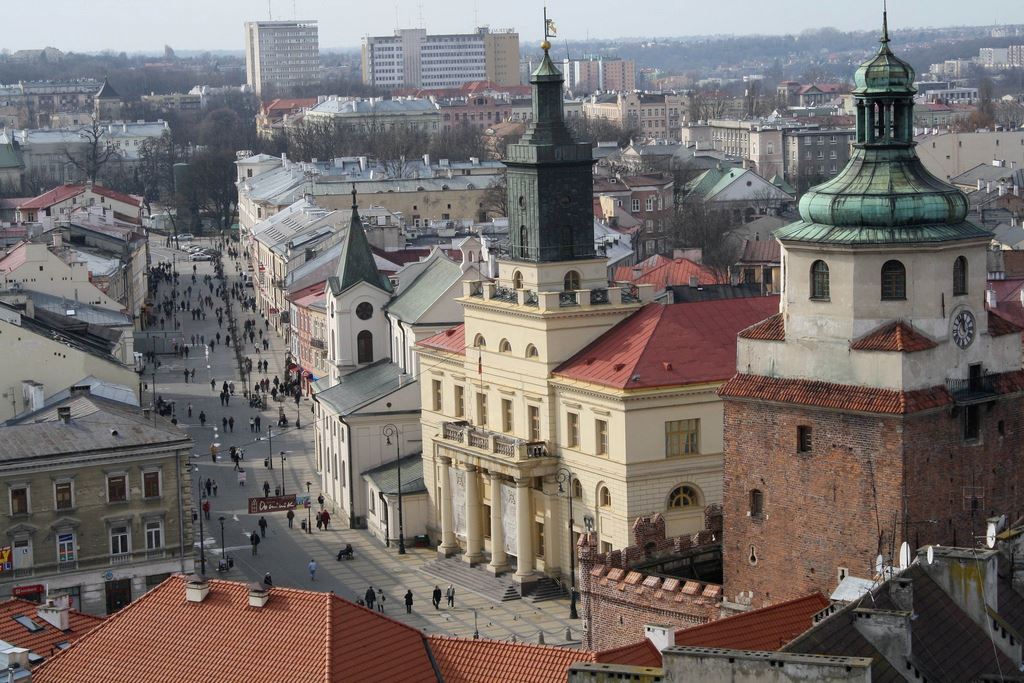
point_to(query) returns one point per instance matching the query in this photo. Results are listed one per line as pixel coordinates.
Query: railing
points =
(568, 299)
(493, 442)
(157, 554)
(505, 294)
(530, 298)
(317, 343)
(972, 389)
(598, 296)
(477, 439)
(454, 431)
(67, 566)
(123, 558)
(630, 295)
(476, 289)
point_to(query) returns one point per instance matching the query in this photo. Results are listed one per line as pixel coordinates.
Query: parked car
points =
(200, 256)
(183, 237)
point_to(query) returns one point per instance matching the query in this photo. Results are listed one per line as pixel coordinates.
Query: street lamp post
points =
(199, 510)
(564, 475)
(388, 431)
(223, 545)
(282, 454)
(309, 510)
(270, 449)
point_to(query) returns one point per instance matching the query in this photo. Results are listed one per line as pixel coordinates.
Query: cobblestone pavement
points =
(286, 552)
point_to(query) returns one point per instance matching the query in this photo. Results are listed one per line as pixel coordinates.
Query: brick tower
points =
(883, 402)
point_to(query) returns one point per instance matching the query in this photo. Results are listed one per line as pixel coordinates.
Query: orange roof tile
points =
(999, 325)
(831, 395)
(317, 636)
(894, 336)
(768, 628)
(769, 329)
(44, 641)
(761, 251)
(668, 345)
(63, 192)
(675, 272)
(452, 340)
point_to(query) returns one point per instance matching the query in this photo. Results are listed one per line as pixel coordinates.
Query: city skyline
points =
(221, 24)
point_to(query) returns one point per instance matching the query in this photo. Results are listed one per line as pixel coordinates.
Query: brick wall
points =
(842, 504)
(617, 601)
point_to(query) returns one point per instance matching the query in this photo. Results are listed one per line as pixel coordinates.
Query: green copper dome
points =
(885, 194)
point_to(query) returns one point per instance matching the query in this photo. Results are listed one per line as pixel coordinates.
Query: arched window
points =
(894, 281)
(571, 282)
(577, 489)
(531, 351)
(517, 280)
(604, 497)
(819, 280)
(524, 247)
(960, 276)
(756, 503)
(504, 346)
(364, 347)
(683, 497)
(479, 342)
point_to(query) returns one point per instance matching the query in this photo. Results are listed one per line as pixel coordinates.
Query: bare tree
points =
(496, 197)
(396, 146)
(213, 175)
(699, 225)
(95, 153)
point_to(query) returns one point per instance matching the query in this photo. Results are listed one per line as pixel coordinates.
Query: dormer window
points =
(819, 281)
(894, 281)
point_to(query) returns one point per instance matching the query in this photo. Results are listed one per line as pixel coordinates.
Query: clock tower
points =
(882, 403)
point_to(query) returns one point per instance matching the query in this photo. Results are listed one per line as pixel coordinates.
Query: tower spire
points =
(354, 205)
(885, 23)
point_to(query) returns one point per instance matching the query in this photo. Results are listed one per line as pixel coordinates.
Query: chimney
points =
(196, 588)
(661, 635)
(259, 595)
(979, 184)
(13, 658)
(988, 187)
(901, 590)
(56, 613)
(888, 631)
(64, 414)
(58, 239)
(990, 298)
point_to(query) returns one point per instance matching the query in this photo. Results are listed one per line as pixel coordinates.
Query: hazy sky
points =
(146, 25)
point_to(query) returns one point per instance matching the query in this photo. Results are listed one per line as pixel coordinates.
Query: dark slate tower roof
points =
(107, 92)
(357, 263)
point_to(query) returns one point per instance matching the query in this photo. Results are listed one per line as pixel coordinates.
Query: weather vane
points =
(550, 30)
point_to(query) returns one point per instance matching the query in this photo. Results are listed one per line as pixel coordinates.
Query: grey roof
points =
(93, 421)
(385, 477)
(418, 296)
(364, 386)
(107, 92)
(357, 263)
(988, 172)
(120, 393)
(373, 106)
(86, 313)
(95, 340)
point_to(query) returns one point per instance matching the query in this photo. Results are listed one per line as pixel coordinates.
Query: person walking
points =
(435, 597)
(266, 489)
(291, 518)
(206, 509)
(190, 410)
(320, 499)
(231, 424)
(209, 486)
(263, 526)
(449, 595)
(224, 424)
(325, 517)
(214, 488)
(312, 569)
(408, 601)
(213, 382)
(267, 581)
(257, 423)
(252, 424)
(319, 521)
(202, 418)
(254, 539)
(380, 600)
(370, 597)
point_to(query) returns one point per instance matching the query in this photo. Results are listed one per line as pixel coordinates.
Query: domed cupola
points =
(885, 194)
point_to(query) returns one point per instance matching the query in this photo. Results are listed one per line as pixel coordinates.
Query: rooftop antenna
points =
(476, 14)
(270, 11)
(295, 13)
(420, 6)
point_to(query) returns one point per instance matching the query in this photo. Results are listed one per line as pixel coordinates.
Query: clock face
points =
(364, 311)
(964, 329)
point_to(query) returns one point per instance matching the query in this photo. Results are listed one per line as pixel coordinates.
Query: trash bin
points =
(266, 462)
(303, 525)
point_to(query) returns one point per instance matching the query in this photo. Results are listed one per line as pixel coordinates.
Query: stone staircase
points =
(545, 589)
(475, 579)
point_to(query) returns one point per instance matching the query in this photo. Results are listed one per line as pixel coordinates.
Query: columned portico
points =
(474, 536)
(499, 560)
(448, 544)
(524, 524)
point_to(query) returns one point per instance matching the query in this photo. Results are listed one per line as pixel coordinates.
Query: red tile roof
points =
(117, 196)
(767, 629)
(761, 251)
(671, 272)
(485, 661)
(287, 105)
(452, 340)
(894, 336)
(769, 329)
(44, 641)
(831, 395)
(999, 324)
(667, 345)
(65, 192)
(315, 636)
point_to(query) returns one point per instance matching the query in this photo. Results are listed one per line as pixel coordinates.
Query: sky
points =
(147, 25)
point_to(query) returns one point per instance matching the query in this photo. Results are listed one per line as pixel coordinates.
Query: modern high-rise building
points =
(584, 76)
(413, 59)
(281, 55)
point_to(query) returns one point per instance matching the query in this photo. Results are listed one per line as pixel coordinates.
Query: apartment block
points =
(584, 76)
(281, 55)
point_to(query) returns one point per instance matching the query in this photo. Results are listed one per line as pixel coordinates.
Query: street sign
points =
(31, 589)
(271, 504)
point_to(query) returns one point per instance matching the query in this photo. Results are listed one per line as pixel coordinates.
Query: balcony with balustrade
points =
(490, 448)
(528, 299)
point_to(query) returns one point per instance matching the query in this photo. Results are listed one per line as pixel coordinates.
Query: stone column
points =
(448, 545)
(474, 536)
(499, 560)
(524, 522)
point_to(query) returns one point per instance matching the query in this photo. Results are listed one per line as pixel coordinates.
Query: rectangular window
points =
(601, 437)
(119, 540)
(972, 423)
(154, 535)
(649, 206)
(506, 415)
(534, 414)
(151, 484)
(117, 489)
(636, 205)
(19, 500)
(481, 409)
(540, 538)
(460, 401)
(63, 496)
(436, 394)
(804, 442)
(682, 437)
(572, 428)
(66, 547)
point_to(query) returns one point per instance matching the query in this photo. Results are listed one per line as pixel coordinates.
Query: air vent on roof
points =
(635, 378)
(259, 595)
(196, 588)
(619, 366)
(588, 361)
(667, 365)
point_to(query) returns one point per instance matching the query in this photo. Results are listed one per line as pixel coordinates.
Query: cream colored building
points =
(39, 267)
(947, 154)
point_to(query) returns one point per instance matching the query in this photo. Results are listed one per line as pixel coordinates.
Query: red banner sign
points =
(272, 504)
(31, 589)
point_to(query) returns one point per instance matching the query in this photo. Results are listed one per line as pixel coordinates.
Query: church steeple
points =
(550, 195)
(357, 263)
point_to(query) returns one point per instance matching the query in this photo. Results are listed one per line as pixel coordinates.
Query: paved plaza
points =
(285, 553)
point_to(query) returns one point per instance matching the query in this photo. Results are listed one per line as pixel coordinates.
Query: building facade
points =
(584, 76)
(881, 404)
(412, 58)
(281, 54)
(97, 495)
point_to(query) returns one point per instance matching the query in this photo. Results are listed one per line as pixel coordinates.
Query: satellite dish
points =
(990, 535)
(879, 564)
(904, 555)
(931, 555)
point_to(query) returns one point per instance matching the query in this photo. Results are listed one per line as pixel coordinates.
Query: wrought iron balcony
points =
(598, 296)
(493, 443)
(971, 390)
(630, 295)
(317, 343)
(569, 298)
(505, 294)
(477, 289)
